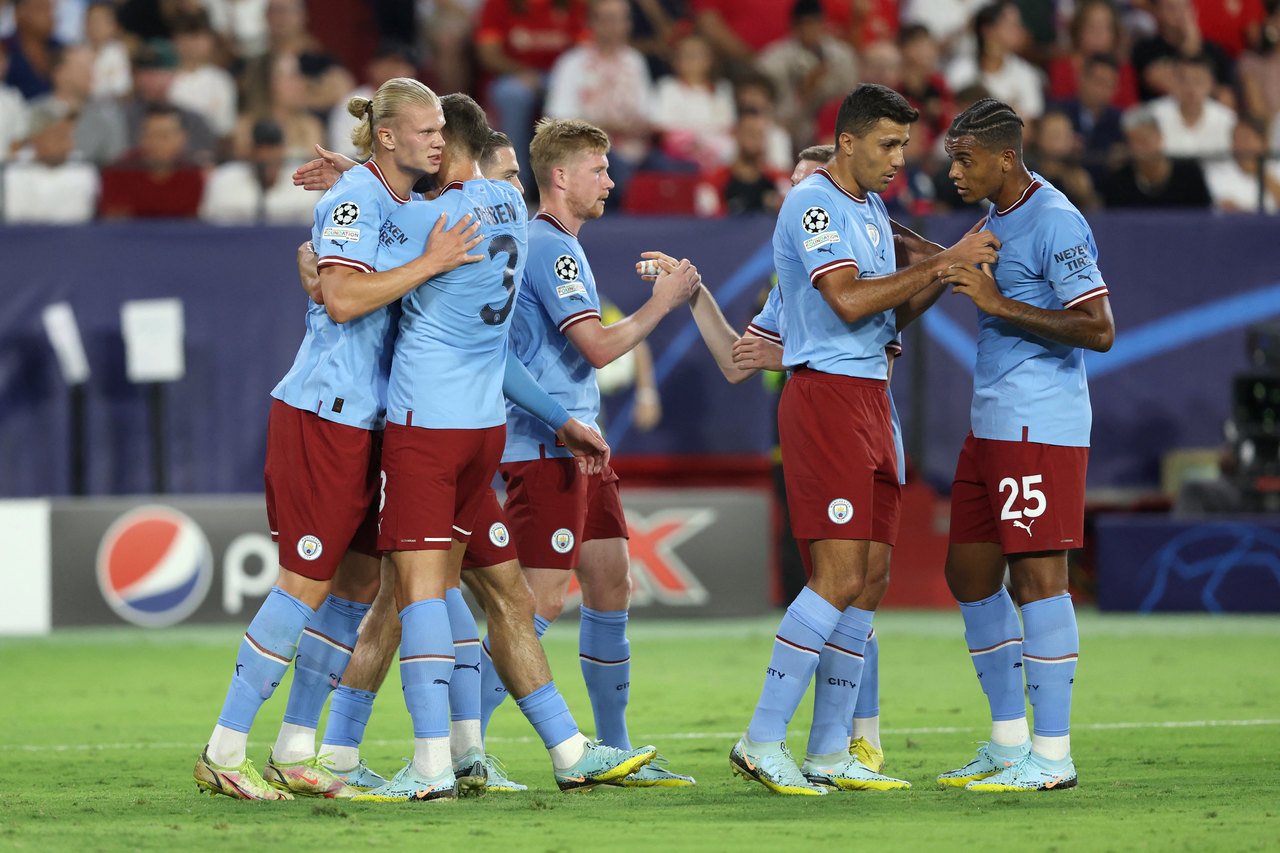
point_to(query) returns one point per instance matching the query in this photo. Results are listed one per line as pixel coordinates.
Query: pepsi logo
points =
(154, 566)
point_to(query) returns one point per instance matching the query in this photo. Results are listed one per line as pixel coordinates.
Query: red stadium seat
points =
(655, 193)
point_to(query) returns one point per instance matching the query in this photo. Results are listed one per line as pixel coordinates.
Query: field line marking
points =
(931, 730)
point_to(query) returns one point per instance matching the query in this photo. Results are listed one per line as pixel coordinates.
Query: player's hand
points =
(976, 283)
(448, 250)
(322, 172)
(654, 263)
(976, 247)
(308, 273)
(754, 353)
(587, 446)
(674, 287)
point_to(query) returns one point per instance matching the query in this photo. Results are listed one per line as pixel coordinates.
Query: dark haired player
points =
(1018, 495)
(834, 255)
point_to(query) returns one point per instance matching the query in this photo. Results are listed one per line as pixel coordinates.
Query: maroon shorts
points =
(434, 482)
(490, 543)
(838, 458)
(553, 508)
(322, 490)
(1026, 496)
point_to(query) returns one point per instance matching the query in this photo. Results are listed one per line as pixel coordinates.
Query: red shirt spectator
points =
(156, 179)
(532, 33)
(1095, 29)
(1233, 25)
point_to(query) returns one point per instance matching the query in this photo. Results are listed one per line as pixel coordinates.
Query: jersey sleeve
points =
(346, 229)
(1071, 260)
(814, 227)
(765, 324)
(554, 276)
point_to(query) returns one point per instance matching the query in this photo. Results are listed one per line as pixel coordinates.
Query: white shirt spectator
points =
(1232, 188)
(112, 76)
(611, 90)
(60, 195)
(209, 91)
(1208, 137)
(244, 22)
(13, 120)
(945, 19)
(233, 196)
(1018, 83)
(705, 114)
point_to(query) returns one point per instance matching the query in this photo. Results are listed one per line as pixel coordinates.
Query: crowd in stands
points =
(202, 108)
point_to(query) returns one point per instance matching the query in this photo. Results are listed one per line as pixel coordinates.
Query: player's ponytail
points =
(391, 97)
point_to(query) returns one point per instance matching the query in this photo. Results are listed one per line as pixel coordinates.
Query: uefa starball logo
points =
(154, 566)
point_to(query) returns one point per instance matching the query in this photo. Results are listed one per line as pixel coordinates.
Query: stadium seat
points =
(655, 193)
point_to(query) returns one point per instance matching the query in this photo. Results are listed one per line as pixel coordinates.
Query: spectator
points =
(31, 48)
(13, 111)
(517, 42)
(1248, 179)
(287, 35)
(446, 27)
(923, 85)
(739, 29)
(392, 59)
(257, 190)
(755, 95)
(158, 178)
(1191, 122)
(1234, 26)
(101, 134)
(1056, 157)
(46, 185)
(1151, 178)
(606, 82)
(655, 27)
(750, 184)
(111, 75)
(865, 22)
(1095, 121)
(288, 108)
(998, 67)
(243, 23)
(693, 109)
(153, 68)
(200, 85)
(1259, 73)
(1095, 30)
(948, 21)
(808, 68)
(1177, 34)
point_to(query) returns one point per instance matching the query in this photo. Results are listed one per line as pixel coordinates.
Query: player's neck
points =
(1013, 188)
(400, 181)
(559, 208)
(461, 171)
(841, 171)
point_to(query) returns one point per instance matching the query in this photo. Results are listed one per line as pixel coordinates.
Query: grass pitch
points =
(1176, 737)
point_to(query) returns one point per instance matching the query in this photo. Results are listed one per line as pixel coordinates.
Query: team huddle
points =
(451, 339)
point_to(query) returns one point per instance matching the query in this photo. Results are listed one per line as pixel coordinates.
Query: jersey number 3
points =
(499, 244)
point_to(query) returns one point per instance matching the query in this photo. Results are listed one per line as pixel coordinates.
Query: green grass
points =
(99, 730)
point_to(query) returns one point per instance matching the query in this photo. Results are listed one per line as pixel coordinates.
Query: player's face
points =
(417, 134)
(588, 185)
(505, 168)
(803, 169)
(977, 172)
(878, 155)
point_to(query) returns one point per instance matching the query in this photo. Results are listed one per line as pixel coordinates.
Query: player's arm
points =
(916, 249)
(1087, 324)
(854, 298)
(648, 409)
(322, 172)
(350, 293)
(600, 344)
(519, 386)
(716, 333)
(308, 273)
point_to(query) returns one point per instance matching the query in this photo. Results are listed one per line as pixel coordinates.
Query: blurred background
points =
(150, 296)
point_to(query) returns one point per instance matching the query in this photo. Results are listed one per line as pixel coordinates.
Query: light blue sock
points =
(994, 636)
(605, 656)
(323, 654)
(835, 689)
(349, 711)
(268, 645)
(426, 665)
(492, 691)
(804, 630)
(464, 687)
(868, 704)
(1050, 652)
(547, 712)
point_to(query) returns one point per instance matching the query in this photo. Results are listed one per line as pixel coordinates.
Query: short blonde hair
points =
(557, 140)
(387, 103)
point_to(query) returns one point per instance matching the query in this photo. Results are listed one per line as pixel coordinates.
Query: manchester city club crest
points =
(498, 535)
(309, 547)
(562, 540)
(566, 268)
(346, 213)
(815, 220)
(840, 511)
(874, 233)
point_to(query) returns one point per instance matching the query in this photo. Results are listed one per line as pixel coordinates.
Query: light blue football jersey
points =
(340, 372)
(558, 291)
(768, 325)
(451, 350)
(1025, 387)
(823, 228)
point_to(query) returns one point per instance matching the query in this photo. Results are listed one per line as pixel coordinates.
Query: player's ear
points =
(387, 138)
